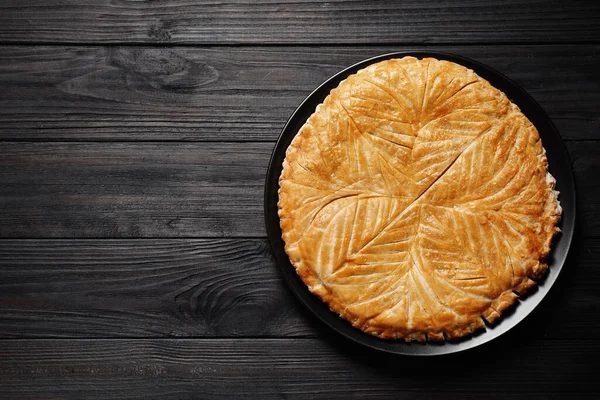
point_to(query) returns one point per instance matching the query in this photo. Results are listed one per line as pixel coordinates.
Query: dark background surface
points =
(134, 142)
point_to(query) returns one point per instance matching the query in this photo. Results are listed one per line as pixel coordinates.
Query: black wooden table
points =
(134, 142)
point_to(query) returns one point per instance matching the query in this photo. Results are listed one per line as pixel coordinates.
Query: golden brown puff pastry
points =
(416, 201)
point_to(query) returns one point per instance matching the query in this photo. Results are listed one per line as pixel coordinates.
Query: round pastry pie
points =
(416, 201)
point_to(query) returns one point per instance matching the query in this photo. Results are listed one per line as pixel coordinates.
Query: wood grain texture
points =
(144, 288)
(159, 312)
(309, 368)
(162, 190)
(239, 94)
(132, 190)
(289, 21)
(209, 288)
(586, 167)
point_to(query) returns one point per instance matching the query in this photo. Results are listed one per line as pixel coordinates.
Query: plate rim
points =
(399, 347)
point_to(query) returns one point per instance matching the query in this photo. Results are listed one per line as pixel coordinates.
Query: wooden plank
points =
(291, 21)
(309, 368)
(162, 190)
(239, 94)
(132, 190)
(586, 167)
(210, 288)
(144, 288)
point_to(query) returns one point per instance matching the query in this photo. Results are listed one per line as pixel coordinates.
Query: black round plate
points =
(559, 165)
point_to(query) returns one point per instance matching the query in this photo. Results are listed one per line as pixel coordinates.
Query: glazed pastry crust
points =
(416, 201)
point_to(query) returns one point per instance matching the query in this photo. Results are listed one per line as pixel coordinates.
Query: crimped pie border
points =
(491, 315)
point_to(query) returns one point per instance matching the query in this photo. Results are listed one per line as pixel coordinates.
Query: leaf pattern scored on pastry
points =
(416, 201)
